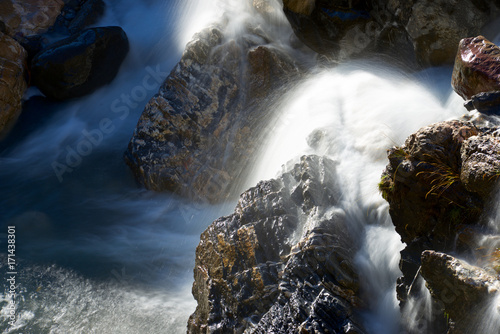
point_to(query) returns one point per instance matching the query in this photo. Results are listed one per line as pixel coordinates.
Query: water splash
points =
(56, 300)
(418, 313)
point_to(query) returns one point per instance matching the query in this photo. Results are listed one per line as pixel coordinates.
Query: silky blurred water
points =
(98, 254)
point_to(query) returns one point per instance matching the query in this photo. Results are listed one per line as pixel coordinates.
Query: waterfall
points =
(99, 255)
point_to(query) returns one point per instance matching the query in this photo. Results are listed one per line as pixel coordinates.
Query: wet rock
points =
(480, 164)
(24, 18)
(437, 185)
(429, 205)
(78, 65)
(33, 44)
(13, 83)
(487, 103)
(459, 287)
(89, 13)
(427, 31)
(196, 135)
(477, 68)
(282, 262)
(436, 27)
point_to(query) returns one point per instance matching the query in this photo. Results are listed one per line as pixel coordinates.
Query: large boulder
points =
(197, 135)
(461, 289)
(13, 82)
(437, 185)
(477, 67)
(24, 18)
(78, 65)
(267, 268)
(422, 183)
(425, 30)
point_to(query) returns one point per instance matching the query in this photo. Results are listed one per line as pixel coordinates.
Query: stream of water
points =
(97, 254)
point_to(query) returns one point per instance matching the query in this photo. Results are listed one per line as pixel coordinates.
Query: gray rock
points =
(89, 13)
(460, 288)
(481, 164)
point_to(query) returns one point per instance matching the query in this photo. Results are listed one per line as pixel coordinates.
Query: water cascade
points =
(97, 254)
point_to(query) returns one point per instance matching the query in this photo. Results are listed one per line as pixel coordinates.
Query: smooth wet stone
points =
(462, 290)
(487, 103)
(477, 68)
(80, 64)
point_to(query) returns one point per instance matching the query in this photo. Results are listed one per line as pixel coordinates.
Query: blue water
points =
(95, 252)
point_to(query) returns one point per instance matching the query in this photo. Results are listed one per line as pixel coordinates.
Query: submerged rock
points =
(282, 262)
(13, 83)
(425, 30)
(477, 68)
(198, 134)
(460, 288)
(78, 65)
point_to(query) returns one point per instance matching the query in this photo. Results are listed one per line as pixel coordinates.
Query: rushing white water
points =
(354, 113)
(95, 253)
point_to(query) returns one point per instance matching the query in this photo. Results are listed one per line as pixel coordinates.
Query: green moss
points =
(386, 186)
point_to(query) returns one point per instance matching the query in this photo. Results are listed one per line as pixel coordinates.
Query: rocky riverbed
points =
(291, 257)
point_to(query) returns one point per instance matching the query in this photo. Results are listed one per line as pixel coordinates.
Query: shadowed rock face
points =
(283, 262)
(477, 67)
(459, 288)
(425, 30)
(197, 135)
(78, 65)
(12, 83)
(423, 186)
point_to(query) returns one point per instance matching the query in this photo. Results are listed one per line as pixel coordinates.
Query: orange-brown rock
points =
(29, 17)
(196, 136)
(477, 67)
(12, 80)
